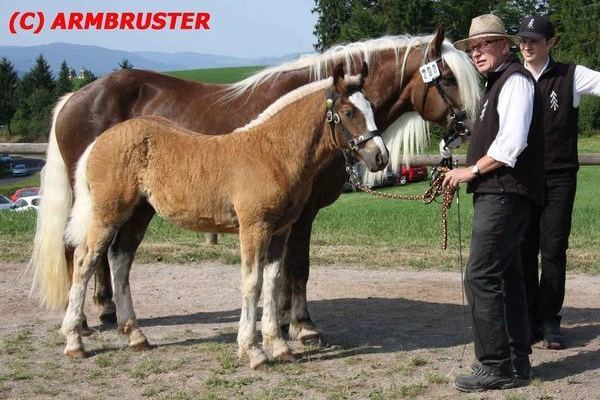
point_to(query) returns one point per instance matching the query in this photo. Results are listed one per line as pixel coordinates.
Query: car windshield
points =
(4, 200)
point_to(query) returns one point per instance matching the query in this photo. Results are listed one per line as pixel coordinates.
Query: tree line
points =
(576, 21)
(26, 102)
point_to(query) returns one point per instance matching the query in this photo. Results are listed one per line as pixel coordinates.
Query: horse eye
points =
(348, 114)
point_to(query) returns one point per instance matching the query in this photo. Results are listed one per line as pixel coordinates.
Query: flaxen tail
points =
(48, 261)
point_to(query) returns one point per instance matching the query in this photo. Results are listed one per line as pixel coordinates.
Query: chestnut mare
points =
(394, 87)
(215, 182)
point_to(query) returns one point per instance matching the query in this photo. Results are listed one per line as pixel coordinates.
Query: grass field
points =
(216, 75)
(357, 229)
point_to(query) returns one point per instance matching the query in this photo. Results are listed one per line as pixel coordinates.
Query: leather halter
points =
(457, 127)
(334, 120)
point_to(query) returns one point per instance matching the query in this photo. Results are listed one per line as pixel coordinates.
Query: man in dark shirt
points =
(561, 86)
(505, 175)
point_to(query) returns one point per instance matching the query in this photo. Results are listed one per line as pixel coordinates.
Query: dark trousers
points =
(494, 282)
(548, 232)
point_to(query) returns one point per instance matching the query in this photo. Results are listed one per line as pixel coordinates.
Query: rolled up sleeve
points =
(515, 110)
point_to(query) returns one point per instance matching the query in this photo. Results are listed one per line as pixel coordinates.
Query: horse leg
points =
(253, 244)
(273, 343)
(85, 258)
(120, 256)
(297, 264)
(103, 292)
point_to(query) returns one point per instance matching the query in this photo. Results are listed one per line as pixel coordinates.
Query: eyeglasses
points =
(482, 46)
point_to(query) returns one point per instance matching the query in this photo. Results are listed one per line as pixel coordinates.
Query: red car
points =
(412, 174)
(24, 192)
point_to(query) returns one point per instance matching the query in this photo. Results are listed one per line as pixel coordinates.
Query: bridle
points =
(335, 122)
(457, 129)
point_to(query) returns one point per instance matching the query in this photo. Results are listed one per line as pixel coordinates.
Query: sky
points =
(244, 28)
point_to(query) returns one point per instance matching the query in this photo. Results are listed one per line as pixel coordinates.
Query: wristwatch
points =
(475, 170)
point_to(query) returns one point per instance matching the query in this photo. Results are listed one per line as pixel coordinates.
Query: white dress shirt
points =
(515, 110)
(585, 81)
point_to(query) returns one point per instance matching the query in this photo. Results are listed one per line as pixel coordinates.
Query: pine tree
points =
(125, 64)
(38, 77)
(63, 84)
(8, 86)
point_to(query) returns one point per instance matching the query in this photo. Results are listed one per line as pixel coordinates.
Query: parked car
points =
(19, 170)
(5, 158)
(412, 174)
(27, 203)
(23, 192)
(5, 202)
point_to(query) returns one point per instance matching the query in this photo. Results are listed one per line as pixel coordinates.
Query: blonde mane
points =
(409, 134)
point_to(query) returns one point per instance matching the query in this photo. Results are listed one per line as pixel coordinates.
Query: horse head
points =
(351, 119)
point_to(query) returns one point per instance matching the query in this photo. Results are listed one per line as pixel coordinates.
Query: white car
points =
(5, 203)
(26, 203)
(19, 170)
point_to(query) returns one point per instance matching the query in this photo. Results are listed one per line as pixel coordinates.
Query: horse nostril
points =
(379, 158)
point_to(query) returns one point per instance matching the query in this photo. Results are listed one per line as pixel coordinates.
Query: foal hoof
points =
(258, 361)
(108, 318)
(142, 346)
(77, 354)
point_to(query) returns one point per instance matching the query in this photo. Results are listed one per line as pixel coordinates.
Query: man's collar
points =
(547, 65)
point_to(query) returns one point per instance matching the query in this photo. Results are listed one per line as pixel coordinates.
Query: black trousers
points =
(494, 282)
(548, 232)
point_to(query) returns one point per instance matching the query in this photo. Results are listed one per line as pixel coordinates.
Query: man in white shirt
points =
(561, 86)
(505, 175)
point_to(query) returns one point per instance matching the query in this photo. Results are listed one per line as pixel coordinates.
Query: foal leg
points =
(86, 257)
(273, 343)
(254, 241)
(120, 256)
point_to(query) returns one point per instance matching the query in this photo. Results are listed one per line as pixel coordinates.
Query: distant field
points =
(217, 75)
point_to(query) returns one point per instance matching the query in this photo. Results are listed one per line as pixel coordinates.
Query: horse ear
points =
(338, 78)
(364, 73)
(435, 47)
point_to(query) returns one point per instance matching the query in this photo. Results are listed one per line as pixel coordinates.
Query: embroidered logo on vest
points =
(483, 110)
(554, 101)
(530, 24)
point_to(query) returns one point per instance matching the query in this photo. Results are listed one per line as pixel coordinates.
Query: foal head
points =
(351, 120)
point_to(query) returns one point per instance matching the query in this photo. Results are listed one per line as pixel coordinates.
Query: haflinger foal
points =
(253, 181)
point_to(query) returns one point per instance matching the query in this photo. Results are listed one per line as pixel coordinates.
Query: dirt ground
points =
(391, 334)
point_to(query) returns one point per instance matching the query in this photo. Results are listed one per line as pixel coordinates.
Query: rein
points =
(434, 191)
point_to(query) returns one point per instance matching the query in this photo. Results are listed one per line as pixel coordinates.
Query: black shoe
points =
(485, 378)
(522, 372)
(553, 337)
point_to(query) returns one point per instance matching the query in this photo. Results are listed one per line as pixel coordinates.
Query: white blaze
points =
(360, 101)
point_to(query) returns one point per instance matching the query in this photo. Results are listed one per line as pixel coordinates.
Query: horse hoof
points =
(259, 363)
(76, 354)
(287, 356)
(108, 319)
(311, 338)
(85, 329)
(142, 346)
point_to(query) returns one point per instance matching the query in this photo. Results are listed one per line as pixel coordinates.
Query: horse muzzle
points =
(371, 149)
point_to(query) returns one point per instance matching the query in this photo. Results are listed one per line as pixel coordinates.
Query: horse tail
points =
(79, 221)
(48, 259)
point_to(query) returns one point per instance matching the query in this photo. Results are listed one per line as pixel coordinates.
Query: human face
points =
(487, 54)
(536, 51)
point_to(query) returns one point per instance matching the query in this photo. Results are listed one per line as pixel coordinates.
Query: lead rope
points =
(431, 194)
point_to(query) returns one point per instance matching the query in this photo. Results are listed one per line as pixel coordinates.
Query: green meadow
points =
(358, 229)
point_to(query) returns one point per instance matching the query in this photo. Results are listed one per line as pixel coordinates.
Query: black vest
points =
(560, 118)
(527, 177)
